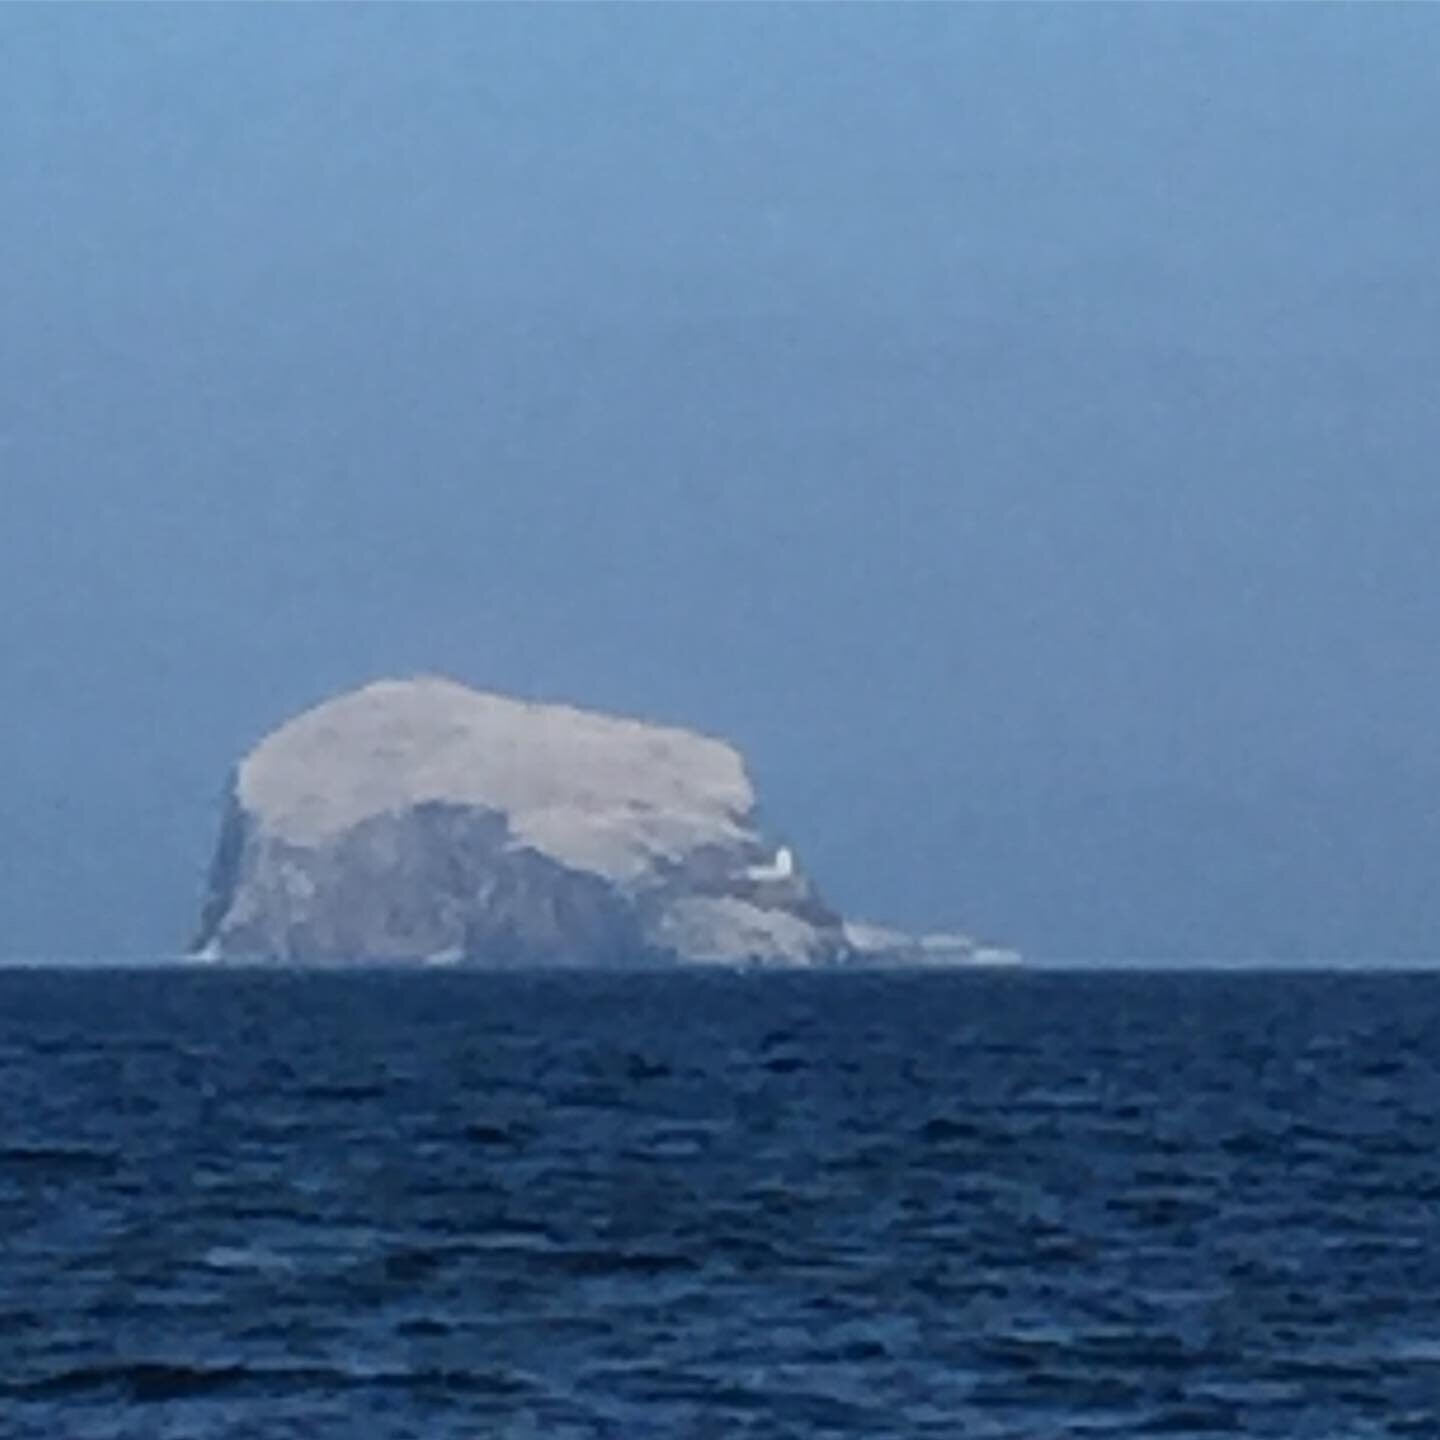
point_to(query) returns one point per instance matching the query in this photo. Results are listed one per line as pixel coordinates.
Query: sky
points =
(1015, 427)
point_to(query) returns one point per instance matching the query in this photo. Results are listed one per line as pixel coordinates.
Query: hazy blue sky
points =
(1017, 427)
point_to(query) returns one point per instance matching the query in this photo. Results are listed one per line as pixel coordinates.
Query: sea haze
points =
(291, 1204)
(1012, 426)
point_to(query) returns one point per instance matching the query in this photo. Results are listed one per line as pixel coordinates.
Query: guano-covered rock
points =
(423, 820)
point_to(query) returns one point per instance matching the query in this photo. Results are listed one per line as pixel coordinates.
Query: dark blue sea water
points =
(373, 1205)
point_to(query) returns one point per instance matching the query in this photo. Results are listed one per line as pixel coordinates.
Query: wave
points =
(157, 1381)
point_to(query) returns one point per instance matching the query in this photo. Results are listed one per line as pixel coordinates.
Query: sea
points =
(373, 1205)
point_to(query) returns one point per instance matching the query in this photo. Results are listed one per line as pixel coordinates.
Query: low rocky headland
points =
(423, 821)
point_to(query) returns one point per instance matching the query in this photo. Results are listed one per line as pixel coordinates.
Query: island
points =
(423, 821)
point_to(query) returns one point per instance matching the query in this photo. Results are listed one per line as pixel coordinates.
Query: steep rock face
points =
(424, 820)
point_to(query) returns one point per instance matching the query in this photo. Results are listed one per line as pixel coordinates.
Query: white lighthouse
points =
(782, 867)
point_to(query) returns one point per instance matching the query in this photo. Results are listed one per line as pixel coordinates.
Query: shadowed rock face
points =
(423, 820)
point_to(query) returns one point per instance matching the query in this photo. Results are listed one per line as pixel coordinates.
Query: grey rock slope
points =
(423, 820)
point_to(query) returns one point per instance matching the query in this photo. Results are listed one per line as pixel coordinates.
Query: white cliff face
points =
(717, 929)
(603, 794)
(422, 819)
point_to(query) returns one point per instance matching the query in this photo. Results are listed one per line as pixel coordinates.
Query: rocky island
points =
(421, 820)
